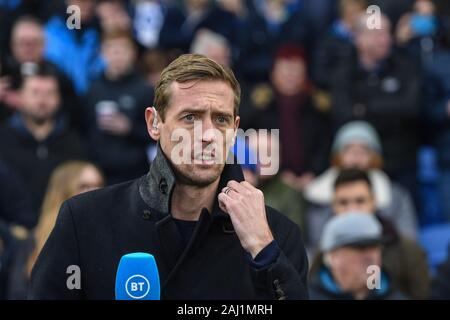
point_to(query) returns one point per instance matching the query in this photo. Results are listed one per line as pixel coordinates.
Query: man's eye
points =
(222, 119)
(189, 118)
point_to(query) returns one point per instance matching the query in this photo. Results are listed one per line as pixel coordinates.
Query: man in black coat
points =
(36, 139)
(209, 231)
(15, 205)
(379, 86)
(440, 288)
(114, 108)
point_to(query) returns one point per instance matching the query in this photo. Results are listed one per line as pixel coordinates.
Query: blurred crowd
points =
(363, 113)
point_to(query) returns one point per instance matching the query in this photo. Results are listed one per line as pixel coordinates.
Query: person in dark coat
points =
(381, 87)
(116, 133)
(437, 101)
(68, 179)
(36, 140)
(12, 10)
(209, 231)
(403, 259)
(268, 25)
(418, 31)
(181, 24)
(15, 204)
(337, 43)
(26, 58)
(287, 104)
(440, 287)
(7, 251)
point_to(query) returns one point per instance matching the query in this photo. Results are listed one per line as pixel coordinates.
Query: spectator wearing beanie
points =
(357, 145)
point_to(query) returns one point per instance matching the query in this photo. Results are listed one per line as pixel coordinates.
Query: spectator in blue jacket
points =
(75, 51)
(417, 31)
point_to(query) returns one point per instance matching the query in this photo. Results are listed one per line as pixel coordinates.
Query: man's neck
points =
(188, 201)
(39, 130)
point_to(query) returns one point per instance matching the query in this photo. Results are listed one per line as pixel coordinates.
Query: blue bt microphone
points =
(137, 277)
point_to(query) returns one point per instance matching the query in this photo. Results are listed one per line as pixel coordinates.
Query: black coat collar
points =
(157, 186)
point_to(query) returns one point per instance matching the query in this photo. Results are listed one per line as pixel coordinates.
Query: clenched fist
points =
(245, 205)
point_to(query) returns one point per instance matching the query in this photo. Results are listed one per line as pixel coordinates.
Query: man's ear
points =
(236, 127)
(236, 122)
(151, 118)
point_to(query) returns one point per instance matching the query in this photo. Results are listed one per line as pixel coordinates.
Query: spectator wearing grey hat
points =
(357, 145)
(403, 259)
(351, 266)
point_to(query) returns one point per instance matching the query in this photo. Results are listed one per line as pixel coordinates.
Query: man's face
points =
(351, 12)
(353, 196)
(87, 8)
(27, 43)
(210, 105)
(375, 43)
(288, 76)
(40, 97)
(119, 55)
(425, 7)
(356, 156)
(349, 266)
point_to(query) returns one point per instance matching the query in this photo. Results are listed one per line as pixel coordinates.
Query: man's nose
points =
(352, 206)
(208, 134)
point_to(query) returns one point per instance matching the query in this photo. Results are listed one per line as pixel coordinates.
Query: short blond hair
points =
(189, 67)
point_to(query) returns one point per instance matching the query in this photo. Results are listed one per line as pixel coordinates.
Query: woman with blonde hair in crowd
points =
(69, 179)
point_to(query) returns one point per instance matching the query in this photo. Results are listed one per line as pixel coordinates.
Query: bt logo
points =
(137, 286)
(137, 277)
